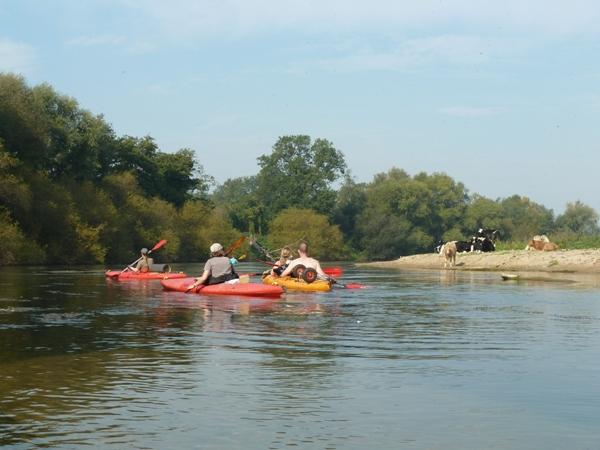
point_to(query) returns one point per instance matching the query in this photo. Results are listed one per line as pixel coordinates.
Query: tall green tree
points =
(350, 203)
(405, 215)
(239, 197)
(299, 173)
(523, 218)
(578, 218)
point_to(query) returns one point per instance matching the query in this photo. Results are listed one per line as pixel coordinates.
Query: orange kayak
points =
(250, 289)
(129, 275)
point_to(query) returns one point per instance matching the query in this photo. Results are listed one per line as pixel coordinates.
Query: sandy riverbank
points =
(558, 263)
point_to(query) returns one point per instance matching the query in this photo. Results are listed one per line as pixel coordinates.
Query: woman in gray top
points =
(218, 268)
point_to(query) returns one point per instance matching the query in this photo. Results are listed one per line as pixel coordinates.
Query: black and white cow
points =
(492, 235)
(483, 244)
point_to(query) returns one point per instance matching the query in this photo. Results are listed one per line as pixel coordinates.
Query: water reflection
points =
(89, 361)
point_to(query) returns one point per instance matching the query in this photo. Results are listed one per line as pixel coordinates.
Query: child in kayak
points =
(284, 260)
(144, 263)
(218, 268)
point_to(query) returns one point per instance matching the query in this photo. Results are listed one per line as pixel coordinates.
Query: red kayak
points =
(333, 271)
(129, 275)
(251, 289)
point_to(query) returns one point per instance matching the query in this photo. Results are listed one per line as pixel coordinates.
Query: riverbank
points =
(561, 261)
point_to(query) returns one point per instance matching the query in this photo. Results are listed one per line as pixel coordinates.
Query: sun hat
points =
(216, 247)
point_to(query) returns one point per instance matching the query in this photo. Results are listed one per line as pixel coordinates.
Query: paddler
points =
(218, 269)
(285, 258)
(306, 261)
(144, 263)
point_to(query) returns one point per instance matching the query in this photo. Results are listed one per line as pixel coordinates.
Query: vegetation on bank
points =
(72, 192)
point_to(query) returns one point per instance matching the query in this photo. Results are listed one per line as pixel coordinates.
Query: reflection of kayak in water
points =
(297, 284)
(129, 275)
(250, 289)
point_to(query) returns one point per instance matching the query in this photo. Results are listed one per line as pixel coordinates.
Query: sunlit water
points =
(420, 360)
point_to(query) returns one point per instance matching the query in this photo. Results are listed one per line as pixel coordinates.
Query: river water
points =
(419, 360)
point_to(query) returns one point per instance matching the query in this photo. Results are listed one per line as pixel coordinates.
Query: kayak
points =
(129, 275)
(298, 284)
(251, 289)
(333, 271)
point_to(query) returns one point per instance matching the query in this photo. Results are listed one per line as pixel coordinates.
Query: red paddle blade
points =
(355, 286)
(159, 244)
(333, 271)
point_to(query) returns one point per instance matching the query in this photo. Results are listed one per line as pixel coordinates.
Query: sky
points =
(502, 96)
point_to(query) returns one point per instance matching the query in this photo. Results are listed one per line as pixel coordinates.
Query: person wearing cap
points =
(144, 263)
(306, 261)
(218, 268)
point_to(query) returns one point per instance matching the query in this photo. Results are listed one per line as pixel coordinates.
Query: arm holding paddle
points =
(158, 245)
(199, 281)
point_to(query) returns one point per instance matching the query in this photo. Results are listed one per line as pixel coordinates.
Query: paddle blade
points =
(354, 286)
(158, 245)
(235, 245)
(333, 271)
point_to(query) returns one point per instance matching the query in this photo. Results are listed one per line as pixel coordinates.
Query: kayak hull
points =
(296, 284)
(246, 289)
(117, 275)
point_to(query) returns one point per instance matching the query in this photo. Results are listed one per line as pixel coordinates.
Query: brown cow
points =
(448, 251)
(541, 246)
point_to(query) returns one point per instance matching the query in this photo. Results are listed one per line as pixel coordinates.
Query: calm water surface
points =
(421, 360)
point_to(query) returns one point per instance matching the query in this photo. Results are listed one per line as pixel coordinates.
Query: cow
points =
(541, 246)
(448, 251)
(483, 244)
(464, 246)
(492, 235)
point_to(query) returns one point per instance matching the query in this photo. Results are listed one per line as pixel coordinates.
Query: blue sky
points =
(502, 96)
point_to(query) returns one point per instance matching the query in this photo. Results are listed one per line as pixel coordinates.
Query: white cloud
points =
(16, 57)
(470, 111)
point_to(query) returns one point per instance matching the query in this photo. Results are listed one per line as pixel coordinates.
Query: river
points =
(419, 360)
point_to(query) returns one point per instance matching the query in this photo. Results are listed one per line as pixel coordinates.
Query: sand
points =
(565, 265)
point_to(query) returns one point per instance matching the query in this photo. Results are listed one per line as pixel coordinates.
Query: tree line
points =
(73, 192)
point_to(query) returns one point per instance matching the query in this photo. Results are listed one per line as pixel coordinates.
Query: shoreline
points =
(565, 265)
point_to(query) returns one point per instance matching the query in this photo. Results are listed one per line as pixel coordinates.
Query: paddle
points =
(158, 245)
(235, 245)
(347, 285)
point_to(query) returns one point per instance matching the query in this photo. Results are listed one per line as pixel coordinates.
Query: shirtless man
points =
(306, 261)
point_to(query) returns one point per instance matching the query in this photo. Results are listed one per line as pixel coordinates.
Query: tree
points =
(299, 173)
(294, 224)
(578, 218)
(405, 215)
(239, 198)
(483, 212)
(350, 202)
(523, 218)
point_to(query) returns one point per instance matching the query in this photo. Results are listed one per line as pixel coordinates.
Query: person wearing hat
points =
(144, 263)
(218, 268)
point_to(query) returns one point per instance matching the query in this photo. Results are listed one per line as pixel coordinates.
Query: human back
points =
(304, 260)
